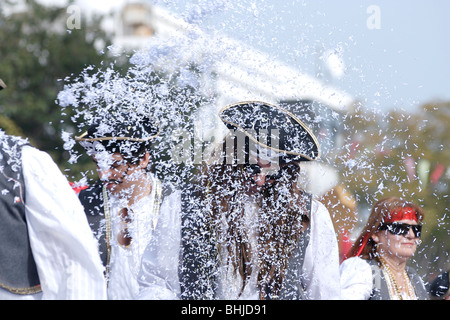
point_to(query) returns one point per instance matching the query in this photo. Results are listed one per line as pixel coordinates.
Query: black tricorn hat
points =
(114, 130)
(296, 141)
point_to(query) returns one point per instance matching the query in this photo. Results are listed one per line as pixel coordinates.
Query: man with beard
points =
(249, 230)
(127, 207)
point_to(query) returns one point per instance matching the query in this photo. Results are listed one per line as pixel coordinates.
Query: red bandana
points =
(401, 214)
(395, 215)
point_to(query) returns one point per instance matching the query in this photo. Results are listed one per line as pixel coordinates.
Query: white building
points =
(230, 71)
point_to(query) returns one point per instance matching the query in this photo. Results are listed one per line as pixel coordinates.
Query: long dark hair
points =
(281, 211)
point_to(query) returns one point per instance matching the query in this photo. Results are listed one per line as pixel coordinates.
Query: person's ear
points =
(375, 238)
(145, 160)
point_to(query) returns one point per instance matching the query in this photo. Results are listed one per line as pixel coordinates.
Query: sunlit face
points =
(264, 173)
(254, 183)
(118, 174)
(397, 246)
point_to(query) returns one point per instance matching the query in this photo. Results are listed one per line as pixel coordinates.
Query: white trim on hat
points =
(262, 144)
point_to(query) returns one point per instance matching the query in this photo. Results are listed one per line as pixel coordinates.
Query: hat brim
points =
(251, 116)
(85, 137)
(121, 132)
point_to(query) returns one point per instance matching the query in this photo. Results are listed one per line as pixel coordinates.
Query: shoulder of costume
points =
(86, 190)
(411, 271)
(17, 141)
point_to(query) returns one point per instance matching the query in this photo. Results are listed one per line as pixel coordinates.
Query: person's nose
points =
(260, 179)
(410, 234)
(104, 174)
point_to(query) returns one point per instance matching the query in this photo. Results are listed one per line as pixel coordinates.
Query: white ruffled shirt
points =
(159, 274)
(63, 246)
(158, 277)
(356, 279)
(125, 262)
(321, 266)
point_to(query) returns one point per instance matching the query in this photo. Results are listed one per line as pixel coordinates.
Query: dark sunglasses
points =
(402, 229)
(290, 168)
(115, 164)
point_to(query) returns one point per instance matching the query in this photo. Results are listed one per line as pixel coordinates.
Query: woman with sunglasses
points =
(377, 267)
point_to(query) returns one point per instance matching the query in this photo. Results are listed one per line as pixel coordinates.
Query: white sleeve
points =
(321, 265)
(356, 279)
(158, 278)
(62, 242)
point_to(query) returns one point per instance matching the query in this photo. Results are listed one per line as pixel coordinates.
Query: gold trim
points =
(81, 137)
(22, 291)
(108, 229)
(157, 202)
(266, 146)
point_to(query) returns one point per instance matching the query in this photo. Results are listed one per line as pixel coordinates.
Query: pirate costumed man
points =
(251, 232)
(127, 207)
(48, 250)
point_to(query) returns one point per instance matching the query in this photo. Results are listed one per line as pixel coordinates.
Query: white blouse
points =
(356, 279)
(63, 246)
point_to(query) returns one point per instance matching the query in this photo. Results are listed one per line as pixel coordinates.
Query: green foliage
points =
(36, 52)
(401, 154)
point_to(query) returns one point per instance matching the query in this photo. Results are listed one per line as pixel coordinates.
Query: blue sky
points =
(402, 63)
(399, 62)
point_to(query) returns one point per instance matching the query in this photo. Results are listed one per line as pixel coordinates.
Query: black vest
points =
(380, 290)
(92, 200)
(18, 272)
(198, 249)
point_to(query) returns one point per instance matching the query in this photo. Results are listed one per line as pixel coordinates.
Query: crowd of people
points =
(241, 228)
